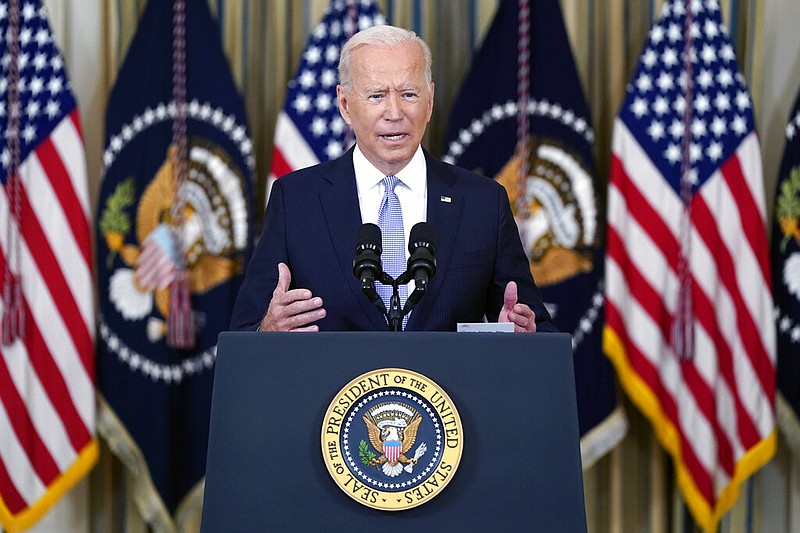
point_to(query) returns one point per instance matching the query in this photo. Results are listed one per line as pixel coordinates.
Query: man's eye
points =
(374, 97)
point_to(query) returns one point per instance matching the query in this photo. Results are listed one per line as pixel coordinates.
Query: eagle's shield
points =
(392, 449)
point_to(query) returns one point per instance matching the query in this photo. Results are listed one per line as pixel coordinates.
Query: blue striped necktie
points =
(390, 220)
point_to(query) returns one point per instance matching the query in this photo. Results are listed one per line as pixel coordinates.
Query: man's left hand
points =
(521, 315)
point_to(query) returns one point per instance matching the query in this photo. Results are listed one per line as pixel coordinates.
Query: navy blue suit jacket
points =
(311, 224)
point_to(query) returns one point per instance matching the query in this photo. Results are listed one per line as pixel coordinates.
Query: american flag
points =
(47, 402)
(686, 210)
(310, 129)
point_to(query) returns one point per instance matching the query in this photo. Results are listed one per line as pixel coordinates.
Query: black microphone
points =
(421, 264)
(367, 263)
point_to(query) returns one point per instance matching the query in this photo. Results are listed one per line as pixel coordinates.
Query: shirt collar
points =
(413, 175)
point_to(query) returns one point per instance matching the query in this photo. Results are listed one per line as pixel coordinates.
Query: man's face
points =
(388, 105)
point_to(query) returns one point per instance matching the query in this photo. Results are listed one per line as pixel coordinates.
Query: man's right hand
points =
(291, 310)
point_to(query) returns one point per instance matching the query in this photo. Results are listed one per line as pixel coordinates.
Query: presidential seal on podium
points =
(392, 439)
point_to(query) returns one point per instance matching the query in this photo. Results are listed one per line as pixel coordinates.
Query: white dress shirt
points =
(412, 190)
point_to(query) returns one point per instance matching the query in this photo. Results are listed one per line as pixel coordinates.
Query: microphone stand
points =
(394, 316)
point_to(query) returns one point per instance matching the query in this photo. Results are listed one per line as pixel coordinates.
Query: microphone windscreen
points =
(422, 232)
(368, 235)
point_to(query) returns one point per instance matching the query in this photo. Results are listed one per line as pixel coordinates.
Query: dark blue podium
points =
(520, 469)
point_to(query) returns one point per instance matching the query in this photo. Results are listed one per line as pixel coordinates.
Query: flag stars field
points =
(720, 99)
(309, 129)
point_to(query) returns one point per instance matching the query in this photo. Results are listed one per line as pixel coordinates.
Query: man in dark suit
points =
(301, 278)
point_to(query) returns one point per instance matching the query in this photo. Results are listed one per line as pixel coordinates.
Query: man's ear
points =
(430, 104)
(344, 109)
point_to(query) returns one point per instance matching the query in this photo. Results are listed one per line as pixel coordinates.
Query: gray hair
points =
(385, 36)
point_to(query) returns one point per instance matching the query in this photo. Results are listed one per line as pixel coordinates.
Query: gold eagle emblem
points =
(555, 210)
(392, 428)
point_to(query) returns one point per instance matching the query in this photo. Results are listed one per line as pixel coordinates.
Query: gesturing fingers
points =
(523, 317)
(284, 280)
(291, 309)
(298, 310)
(510, 295)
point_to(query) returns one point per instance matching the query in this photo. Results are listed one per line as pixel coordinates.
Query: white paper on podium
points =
(485, 327)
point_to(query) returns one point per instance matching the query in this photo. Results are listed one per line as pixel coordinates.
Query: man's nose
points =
(393, 109)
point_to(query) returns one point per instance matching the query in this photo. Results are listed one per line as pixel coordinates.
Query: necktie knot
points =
(390, 182)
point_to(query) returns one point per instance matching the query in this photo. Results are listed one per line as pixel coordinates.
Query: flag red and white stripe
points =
(713, 410)
(290, 150)
(47, 438)
(309, 129)
(47, 401)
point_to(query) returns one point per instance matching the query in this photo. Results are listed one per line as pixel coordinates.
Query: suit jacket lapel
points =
(343, 216)
(445, 204)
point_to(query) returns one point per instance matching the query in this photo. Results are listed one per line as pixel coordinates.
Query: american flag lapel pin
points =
(445, 199)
